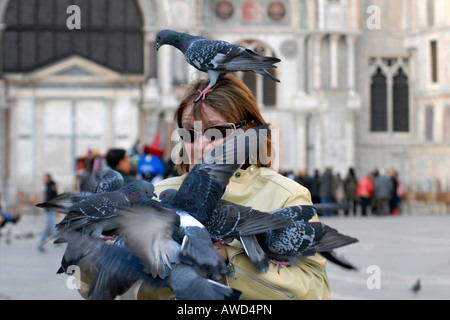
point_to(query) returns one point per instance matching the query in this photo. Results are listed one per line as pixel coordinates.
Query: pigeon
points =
(289, 245)
(416, 288)
(94, 213)
(216, 57)
(107, 180)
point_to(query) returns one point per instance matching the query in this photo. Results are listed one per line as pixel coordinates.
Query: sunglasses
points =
(216, 132)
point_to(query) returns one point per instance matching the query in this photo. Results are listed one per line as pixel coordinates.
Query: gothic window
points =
(378, 113)
(389, 95)
(401, 102)
(37, 34)
(434, 61)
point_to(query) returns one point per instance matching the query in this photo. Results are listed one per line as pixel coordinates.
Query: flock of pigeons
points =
(169, 242)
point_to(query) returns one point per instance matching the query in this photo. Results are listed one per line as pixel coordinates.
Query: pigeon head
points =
(139, 191)
(167, 195)
(179, 40)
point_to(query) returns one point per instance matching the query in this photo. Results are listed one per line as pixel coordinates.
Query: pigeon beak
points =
(157, 46)
(154, 194)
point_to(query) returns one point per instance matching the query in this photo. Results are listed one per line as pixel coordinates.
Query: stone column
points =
(350, 138)
(350, 39)
(302, 141)
(315, 62)
(334, 60)
(301, 64)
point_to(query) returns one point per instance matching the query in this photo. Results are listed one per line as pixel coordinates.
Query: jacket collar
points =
(243, 175)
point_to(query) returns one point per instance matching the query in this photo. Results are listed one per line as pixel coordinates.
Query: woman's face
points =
(201, 146)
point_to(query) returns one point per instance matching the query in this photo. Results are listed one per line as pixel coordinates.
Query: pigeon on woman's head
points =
(216, 57)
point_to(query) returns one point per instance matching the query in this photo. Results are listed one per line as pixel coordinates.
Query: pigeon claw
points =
(107, 238)
(203, 93)
(280, 264)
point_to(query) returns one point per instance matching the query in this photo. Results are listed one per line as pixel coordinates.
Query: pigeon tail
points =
(255, 253)
(331, 239)
(266, 74)
(61, 202)
(340, 261)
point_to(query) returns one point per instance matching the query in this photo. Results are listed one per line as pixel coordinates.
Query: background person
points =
(119, 160)
(50, 229)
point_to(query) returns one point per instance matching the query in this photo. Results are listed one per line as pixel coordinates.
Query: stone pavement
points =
(27, 273)
(393, 253)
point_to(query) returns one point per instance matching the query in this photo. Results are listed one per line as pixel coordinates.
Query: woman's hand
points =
(221, 250)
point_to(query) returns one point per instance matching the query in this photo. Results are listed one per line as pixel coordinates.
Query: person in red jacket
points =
(364, 190)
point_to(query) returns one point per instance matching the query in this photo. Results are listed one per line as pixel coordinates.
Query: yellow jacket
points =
(264, 190)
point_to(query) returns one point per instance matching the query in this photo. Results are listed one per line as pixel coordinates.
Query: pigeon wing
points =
(100, 206)
(119, 268)
(148, 232)
(108, 180)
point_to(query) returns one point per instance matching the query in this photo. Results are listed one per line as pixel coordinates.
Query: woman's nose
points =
(204, 143)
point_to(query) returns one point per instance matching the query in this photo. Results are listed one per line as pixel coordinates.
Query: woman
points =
(230, 105)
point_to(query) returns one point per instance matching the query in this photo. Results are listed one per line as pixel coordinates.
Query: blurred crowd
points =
(378, 192)
(146, 164)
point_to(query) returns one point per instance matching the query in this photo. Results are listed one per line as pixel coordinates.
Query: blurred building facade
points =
(364, 83)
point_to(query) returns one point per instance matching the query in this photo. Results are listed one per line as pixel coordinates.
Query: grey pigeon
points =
(94, 213)
(216, 57)
(288, 245)
(107, 180)
(416, 288)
